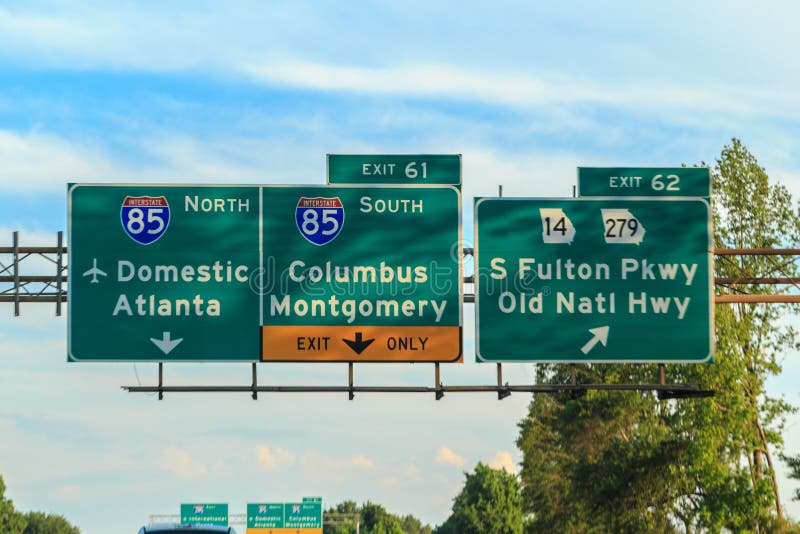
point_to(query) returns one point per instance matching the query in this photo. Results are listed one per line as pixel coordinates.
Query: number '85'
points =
(137, 223)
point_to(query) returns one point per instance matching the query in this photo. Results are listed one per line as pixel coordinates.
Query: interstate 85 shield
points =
(145, 219)
(319, 219)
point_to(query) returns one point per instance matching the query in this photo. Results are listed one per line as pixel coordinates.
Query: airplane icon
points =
(94, 271)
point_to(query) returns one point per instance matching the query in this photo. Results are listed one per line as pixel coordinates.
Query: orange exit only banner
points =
(361, 344)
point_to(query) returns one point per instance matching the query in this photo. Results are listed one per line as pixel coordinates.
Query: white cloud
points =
(57, 32)
(412, 472)
(359, 460)
(445, 455)
(273, 459)
(34, 162)
(550, 174)
(111, 39)
(414, 80)
(517, 90)
(180, 462)
(504, 460)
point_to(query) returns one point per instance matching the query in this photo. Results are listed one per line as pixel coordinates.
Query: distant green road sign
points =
(204, 514)
(265, 515)
(644, 182)
(406, 169)
(303, 515)
(163, 272)
(602, 280)
(362, 274)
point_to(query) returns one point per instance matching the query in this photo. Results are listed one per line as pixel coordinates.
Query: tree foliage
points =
(41, 523)
(14, 522)
(373, 519)
(11, 521)
(794, 472)
(490, 501)
(624, 462)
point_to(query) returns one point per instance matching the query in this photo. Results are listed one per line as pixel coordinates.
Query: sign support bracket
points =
(351, 390)
(438, 382)
(254, 394)
(576, 392)
(54, 290)
(502, 392)
(160, 380)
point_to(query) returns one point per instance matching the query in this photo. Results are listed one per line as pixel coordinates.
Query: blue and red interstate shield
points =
(145, 219)
(319, 219)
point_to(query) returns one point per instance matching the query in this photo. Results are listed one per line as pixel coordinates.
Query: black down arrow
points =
(360, 344)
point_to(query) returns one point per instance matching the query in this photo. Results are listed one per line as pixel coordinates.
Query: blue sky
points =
(257, 92)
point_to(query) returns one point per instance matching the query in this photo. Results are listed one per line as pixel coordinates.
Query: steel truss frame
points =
(19, 288)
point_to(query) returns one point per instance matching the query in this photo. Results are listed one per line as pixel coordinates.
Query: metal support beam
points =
(351, 390)
(255, 382)
(754, 280)
(438, 383)
(757, 299)
(686, 390)
(502, 393)
(573, 378)
(160, 380)
(15, 245)
(757, 251)
(59, 264)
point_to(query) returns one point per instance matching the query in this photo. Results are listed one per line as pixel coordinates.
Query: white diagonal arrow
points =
(166, 344)
(599, 334)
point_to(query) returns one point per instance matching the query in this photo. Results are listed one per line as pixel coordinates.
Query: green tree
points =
(377, 520)
(11, 521)
(794, 472)
(412, 525)
(373, 519)
(40, 523)
(490, 501)
(613, 461)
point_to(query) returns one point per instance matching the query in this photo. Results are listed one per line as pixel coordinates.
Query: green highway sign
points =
(361, 274)
(265, 515)
(163, 272)
(204, 514)
(294, 273)
(408, 169)
(644, 182)
(593, 280)
(303, 515)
